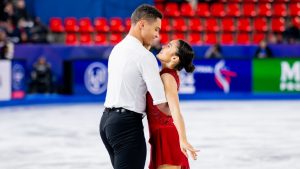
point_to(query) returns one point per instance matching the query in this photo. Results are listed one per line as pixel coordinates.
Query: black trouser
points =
(123, 136)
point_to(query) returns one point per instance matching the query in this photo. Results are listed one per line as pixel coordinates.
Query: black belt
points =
(122, 110)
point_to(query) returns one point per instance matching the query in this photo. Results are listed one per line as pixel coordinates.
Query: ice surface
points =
(229, 134)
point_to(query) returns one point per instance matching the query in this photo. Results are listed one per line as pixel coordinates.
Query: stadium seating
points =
(116, 24)
(71, 39)
(115, 38)
(101, 24)
(85, 39)
(71, 24)
(100, 39)
(237, 21)
(85, 25)
(56, 25)
(243, 38)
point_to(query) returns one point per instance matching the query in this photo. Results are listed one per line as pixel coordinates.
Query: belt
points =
(122, 110)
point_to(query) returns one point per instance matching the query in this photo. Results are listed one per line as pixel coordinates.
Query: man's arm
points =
(150, 73)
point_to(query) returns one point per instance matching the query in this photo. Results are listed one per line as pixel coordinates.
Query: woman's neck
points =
(166, 65)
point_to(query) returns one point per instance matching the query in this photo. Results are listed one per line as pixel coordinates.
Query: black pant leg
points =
(110, 150)
(124, 133)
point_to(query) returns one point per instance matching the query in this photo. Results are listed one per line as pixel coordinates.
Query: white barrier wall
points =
(5, 80)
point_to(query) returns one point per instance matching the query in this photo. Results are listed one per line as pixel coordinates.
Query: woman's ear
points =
(175, 59)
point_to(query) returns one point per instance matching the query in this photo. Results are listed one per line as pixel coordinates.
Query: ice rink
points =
(229, 134)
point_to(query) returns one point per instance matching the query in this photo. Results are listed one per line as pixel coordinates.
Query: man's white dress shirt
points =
(132, 71)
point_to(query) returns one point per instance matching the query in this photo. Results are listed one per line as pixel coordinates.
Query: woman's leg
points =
(166, 166)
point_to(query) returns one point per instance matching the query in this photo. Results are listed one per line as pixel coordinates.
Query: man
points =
(132, 71)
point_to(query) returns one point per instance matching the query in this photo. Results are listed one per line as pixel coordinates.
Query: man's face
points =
(150, 30)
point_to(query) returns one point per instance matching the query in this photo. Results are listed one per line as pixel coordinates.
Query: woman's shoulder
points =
(168, 70)
(173, 72)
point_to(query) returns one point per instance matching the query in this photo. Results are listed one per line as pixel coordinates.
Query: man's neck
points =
(135, 34)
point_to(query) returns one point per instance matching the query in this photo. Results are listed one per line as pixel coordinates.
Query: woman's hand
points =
(185, 146)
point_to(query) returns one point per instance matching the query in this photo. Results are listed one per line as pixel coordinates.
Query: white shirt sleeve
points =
(150, 73)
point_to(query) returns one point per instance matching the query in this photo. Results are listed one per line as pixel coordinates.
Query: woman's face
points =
(168, 52)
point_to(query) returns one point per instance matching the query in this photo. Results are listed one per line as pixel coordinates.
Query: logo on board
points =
(95, 78)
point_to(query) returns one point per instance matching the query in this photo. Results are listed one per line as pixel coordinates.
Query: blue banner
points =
(18, 78)
(224, 76)
(89, 77)
(219, 76)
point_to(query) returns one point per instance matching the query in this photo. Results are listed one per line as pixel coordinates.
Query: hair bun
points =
(190, 68)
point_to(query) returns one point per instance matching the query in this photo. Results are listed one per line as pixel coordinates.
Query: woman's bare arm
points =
(170, 86)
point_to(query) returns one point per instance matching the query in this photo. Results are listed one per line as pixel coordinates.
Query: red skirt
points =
(165, 148)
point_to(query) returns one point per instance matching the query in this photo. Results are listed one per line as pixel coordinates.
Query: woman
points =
(168, 140)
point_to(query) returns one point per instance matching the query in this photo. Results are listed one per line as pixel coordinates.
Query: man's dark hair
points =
(145, 11)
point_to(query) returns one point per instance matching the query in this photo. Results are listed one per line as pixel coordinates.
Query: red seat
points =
(195, 25)
(164, 38)
(258, 37)
(295, 9)
(186, 10)
(194, 38)
(244, 25)
(264, 9)
(249, 10)
(100, 39)
(179, 24)
(279, 9)
(227, 38)
(278, 24)
(116, 24)
(71, 39)
(203, 10)
(228, 25)
(260, 24)
(127, 24)
(115, 38)
(211, 25)
(210, 38)
(233, 9)
(243, 38)
(296, 21)
(159, 6)
(85, 39)
(85, 25)
(171, 9)
(179, 35)
(236, 1)
(217, 9)
(71, 24)
(265, 1)
(101, 24)
(165, 25)
(56, 25)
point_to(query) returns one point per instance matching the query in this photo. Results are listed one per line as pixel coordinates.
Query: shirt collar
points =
(133, 39)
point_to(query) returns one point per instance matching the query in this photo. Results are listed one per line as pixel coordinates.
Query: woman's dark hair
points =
(145, 11)
(186, 56)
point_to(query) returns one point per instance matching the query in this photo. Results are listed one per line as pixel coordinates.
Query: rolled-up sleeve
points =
(150, 73)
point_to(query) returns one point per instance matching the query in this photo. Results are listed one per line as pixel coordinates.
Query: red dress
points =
(164, 139)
